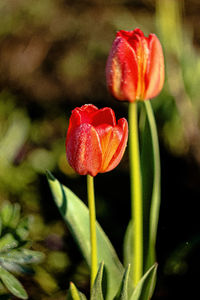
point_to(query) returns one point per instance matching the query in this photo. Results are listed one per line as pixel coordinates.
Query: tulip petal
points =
(81, 115)
(104, 116)
(110, 138)
(122, 70)
(113, 143)
(84, 150)
(133, 37)
(154, 77)
(123, 125)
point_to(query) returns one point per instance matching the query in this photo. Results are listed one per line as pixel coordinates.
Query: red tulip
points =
(95, 143)
(135, 66)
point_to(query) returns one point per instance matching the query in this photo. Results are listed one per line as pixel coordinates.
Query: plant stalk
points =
(136, 194)
(93, 240)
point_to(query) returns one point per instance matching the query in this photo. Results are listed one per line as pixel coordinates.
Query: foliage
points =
(118, 284)
(15, 257)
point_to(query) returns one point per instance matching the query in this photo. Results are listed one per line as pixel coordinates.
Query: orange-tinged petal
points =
(84, 150)
(142, 57)
(110, 138)
(104, 132)
(154, 77)
(123, 125)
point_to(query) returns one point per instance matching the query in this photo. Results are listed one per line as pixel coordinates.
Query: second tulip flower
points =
(95, 143)
(135, 66)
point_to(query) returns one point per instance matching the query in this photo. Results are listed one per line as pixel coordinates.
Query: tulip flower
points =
(135, 66)
(135, 71)
(95, 143)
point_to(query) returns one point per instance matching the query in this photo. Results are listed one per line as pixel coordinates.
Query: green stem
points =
(155, 202)
(136, 194)
(93, 240)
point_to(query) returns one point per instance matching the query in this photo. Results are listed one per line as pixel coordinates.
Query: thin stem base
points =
(93, 240)
(136, 194)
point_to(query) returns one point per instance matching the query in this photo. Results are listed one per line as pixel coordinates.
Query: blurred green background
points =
(52, 59)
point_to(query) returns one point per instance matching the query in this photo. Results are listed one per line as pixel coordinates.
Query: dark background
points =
(52, 58)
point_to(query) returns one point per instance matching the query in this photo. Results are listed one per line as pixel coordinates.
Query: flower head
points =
(135, 66)
(95, 143)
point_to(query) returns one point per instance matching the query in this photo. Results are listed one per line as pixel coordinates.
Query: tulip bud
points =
(95, 143)
(135, 66)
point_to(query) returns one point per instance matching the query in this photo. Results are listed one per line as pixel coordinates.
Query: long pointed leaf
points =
(147, 180)
(97, 287)
(144, 288)
(73, 293)
(128, 249)
(12, 284)
(155, 201)
(76, 215)
(82, 296)
(123, 291)
(22, 256)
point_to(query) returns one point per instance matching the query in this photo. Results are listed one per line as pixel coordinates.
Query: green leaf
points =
(74, 294)
(128, 248)
(32, 256)
(22, 229)
(96, 293)
(76, 215)
(6, 213)
(144, 288)
(1, 226)
(15, 216)
(12, 284)
(22, 256)
(82, 296)
(155, 198)
(147, 181)
(123, 291)
(15, 135)
(9, 215)
(8, 242)
(14, 267)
